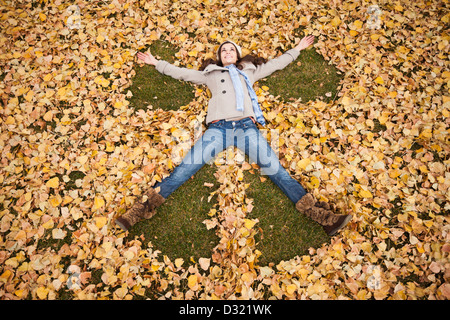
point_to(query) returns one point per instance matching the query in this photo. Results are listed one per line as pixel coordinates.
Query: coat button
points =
(223, 80)
(224, 91)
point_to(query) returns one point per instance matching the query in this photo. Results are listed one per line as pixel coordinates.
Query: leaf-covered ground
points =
(74, 155)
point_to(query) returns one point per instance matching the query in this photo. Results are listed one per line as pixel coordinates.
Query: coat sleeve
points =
(281, 62)
(185, 74)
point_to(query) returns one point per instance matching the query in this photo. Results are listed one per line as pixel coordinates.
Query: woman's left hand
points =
(147, 58)
(305, 42)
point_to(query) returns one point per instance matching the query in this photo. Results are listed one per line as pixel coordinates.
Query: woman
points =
(231, 118)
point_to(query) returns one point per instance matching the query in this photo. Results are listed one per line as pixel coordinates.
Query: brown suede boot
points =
(143, 209)
(322, 213)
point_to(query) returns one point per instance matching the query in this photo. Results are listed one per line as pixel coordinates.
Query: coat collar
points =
(215, 67)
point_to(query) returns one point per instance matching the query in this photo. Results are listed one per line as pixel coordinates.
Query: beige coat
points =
(223, 99)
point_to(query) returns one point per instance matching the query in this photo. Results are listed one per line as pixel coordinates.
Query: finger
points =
(141, 55)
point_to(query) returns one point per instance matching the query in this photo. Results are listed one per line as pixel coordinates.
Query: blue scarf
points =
(234, 74)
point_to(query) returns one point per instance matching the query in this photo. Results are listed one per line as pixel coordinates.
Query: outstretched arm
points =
(282, 61)
(168, 69)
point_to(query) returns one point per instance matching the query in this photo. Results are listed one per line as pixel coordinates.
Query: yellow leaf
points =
(426, 133)
(271, 115)
(155, 267)
(384, 118)
(48, 116)
(290, 289)
(154, 35)
(120, 293)
(42, 16)
(5, 276)
(58, 233)
(303, 273)
(358, 24)
(179, 262)
(19, 293)
(315, 130)
(100, 221)
(346, 100)
(55, 201)
(10, 120)
(166, 126)
(49, 93)
(53, 183)
(192, 281)
(393, 94)
(49, 224)
(48, 77)
(204, 263)
(29, 96)
(61, 92)
(98, 203)
(82, 159)
(21, 235)
(247, 277)
(109, 147)
(365, 194)
(302, 164)
(336, 21)
(315, 182)
(249, 223)
(193, 53)
(379, 80)
(42, 293)
(375, 36)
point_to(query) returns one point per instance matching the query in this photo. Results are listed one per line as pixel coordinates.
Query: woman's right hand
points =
(147, 58)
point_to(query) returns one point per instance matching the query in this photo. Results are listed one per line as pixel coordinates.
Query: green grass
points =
(153, 88)
(284, 232)
(177, 229)
(309, 77)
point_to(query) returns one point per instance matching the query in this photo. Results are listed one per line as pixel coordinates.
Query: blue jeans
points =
(244, 135)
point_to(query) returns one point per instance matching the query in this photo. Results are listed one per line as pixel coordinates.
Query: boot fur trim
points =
(317, 211)
(305, 203)
(151, 201)
(145, 208)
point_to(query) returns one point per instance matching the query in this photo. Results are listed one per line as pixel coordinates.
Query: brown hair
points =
(239, 63)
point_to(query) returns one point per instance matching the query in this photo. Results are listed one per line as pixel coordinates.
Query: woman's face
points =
(228, 54)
